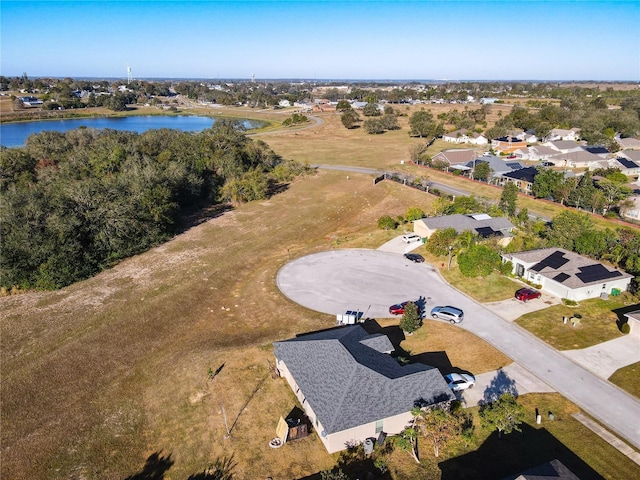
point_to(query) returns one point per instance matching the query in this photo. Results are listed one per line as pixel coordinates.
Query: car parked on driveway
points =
(526, 294)
(447, 312)
(460, 381)
(411, 237)
(414, 257)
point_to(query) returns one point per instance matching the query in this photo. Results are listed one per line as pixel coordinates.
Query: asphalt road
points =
(369, 280)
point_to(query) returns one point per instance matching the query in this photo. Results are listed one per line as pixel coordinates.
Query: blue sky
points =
(453, 40)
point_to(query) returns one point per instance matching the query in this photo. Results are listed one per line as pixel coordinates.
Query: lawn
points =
(112, 372)
(597, 325)
(627, 379)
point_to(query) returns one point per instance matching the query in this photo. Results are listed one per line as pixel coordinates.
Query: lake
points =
(15, 134)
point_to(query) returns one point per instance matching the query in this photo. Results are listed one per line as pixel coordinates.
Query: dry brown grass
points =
(100, 375)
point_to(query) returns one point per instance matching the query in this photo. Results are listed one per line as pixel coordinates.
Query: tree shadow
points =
(621, 312)
(220, 469)
(195, 216)
(500, 384)
(511, 455)
(354, 463)
(154, 468)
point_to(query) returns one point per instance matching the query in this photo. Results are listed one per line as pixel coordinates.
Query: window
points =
(379, 426)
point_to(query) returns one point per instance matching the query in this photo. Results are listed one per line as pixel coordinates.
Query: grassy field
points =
(107, 374)
(597, 323)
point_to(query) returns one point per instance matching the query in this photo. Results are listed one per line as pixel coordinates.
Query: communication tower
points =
(129, 77)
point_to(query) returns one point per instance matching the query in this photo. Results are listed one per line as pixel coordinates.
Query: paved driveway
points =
(368, 280)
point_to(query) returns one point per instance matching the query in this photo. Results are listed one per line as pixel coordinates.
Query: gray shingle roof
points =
(463, 222)
(568, 268)
(349, 382)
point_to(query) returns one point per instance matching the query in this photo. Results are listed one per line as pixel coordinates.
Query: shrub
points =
(410, 321)
(387, 223)
(569, 303)
(625, 328)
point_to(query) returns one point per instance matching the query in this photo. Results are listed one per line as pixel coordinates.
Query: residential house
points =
(577, 159)
(497, 165)
(566, 274)
(535, 152)
(488, 101)
(507, 145)
(632, 213)
(563, 134)
(481, 224)
(465, 136)
(553, 470)
(633, 155)
(351, 389)
(456, 155)
(626, 166)
(628, 143)
(598, 150)
(522, 178)
(30, 101)
(564, 146)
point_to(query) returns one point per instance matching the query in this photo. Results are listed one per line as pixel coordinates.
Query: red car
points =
(526, 294)
(397, 309)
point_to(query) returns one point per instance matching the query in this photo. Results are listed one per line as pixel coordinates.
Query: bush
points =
(569, 303)
(387, 223)
(625, 328)
(410, 321)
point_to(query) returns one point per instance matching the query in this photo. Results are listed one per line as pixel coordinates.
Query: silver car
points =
(449, 313)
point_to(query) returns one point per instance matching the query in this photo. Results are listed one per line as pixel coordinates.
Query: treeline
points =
(75, 203)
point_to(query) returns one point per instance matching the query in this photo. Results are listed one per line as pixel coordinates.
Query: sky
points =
(315, 40)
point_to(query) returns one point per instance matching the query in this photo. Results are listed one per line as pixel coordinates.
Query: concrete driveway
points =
(512, 309)
(368, 280)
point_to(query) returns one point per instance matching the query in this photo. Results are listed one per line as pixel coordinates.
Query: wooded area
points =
(75, 203)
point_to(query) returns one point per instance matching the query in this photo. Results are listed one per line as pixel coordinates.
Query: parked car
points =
(452, 314)
(526, 294)
(414, 257)
(460, 381)
(548, 164)
(411, 237)
(398, 308)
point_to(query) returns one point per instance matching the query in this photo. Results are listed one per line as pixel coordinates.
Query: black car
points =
(414, 257)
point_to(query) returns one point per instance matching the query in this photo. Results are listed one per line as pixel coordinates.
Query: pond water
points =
(15, 134)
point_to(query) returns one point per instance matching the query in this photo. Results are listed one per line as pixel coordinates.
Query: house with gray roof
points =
(456, 155)
(351, 388)
(629, 143)
(497, 165)
(564, 146)
(578, 159)
(566, 274)
(481, 224)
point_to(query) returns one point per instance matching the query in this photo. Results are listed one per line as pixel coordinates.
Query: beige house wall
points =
(338, 441)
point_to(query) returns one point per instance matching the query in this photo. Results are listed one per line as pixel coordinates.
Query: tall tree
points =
(508, 199)
(423, 125)
(567, 227)
(505, 414)
(410, 320)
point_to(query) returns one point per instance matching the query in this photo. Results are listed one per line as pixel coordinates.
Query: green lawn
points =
(597, 325)
(627, 379)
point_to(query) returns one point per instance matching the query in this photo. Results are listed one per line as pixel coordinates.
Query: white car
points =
(460, 381)
(411, 237)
